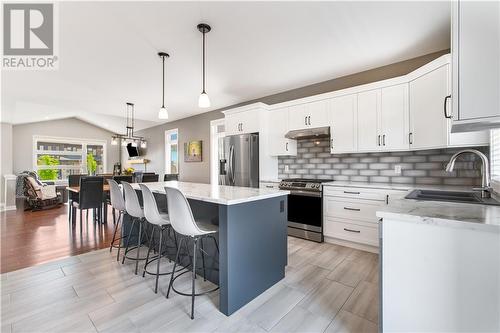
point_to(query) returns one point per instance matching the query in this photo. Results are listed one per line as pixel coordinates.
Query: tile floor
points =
(327, 288)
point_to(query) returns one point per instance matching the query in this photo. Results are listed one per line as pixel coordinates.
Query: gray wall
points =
(22, 139)
(192, 128)
(314, 160)
(198, 127)
(6, 155)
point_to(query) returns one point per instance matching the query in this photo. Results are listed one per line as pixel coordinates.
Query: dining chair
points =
(90, 196)
(149, 178)
(120, 178)
(170, 176)
(183, 222)
(73, 180)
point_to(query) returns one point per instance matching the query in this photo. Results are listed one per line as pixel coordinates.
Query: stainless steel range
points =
(305, 208)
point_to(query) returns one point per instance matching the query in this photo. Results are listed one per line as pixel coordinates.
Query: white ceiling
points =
(108, 54)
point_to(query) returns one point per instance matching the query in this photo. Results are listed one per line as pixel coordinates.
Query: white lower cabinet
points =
(349, 213)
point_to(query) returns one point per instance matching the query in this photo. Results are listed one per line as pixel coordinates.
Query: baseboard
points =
(354, 245)
(5, 208)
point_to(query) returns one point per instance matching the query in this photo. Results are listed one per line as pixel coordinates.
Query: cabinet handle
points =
(410, 138)
(351, 230)
(383, 140)
(269, 186)
(445, 108)
(378, 139)
(354, 209)
(349, 192)
(286, 146)
(331, 144)
(387, 199)
(309, 120)
(305, 120)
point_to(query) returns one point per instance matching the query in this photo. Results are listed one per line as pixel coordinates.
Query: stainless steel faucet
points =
(485, 170)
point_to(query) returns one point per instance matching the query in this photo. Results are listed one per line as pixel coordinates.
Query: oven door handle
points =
(305, 193)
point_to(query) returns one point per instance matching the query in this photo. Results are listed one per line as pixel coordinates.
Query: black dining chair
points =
(123, 178)
(90, 197)
(73, 180)
(149, 178)
(170, 176)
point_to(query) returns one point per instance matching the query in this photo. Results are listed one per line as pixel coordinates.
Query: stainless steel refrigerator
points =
(239, 160)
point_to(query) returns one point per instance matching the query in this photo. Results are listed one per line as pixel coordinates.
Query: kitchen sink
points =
(451, 196)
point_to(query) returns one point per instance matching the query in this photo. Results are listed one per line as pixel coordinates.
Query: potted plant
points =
(91, 164)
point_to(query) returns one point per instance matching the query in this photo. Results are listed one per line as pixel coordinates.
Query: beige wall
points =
(22, 139)
(5, 156)
(198, 127)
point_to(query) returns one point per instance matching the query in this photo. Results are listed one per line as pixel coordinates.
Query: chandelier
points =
(129, 137)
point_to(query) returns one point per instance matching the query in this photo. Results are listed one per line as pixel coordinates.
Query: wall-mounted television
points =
(132, 151)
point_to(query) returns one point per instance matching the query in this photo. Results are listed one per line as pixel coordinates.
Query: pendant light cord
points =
(163, 84)
(203, 62)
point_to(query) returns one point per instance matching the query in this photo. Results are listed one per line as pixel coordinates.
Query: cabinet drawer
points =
(354, 209)
(357, 193)
(351, 232)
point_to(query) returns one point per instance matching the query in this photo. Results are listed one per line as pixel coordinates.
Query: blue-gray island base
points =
(252, 243)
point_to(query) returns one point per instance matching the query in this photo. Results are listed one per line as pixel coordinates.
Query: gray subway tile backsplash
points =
(314, 160)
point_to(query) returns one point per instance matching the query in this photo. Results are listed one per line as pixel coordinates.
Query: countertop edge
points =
(438, 221)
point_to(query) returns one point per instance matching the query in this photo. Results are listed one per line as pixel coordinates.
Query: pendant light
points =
(204, 101)
(163, 113)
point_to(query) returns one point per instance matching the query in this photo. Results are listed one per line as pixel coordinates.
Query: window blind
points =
(495, 158)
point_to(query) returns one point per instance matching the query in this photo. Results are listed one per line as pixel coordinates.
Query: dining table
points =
(76, 189)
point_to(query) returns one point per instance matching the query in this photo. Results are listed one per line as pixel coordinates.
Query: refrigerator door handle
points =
(231, 161)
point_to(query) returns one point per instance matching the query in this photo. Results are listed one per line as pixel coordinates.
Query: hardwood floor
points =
(327, 288)
(30, 238)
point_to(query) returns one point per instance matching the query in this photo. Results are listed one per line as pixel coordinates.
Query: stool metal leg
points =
(175, 265)
(128, 239)
(151, 245)
(195, 241)
(120, 219)
(139, 240)
(158, 263)
(203, 259)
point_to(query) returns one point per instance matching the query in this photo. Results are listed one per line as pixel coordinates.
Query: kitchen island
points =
(252, 236)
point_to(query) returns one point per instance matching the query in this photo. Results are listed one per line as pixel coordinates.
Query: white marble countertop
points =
(219, 194)
(457, 215)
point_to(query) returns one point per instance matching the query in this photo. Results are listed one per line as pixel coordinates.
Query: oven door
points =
(305, 211)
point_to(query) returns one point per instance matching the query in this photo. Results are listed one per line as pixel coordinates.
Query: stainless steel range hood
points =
(309, 133)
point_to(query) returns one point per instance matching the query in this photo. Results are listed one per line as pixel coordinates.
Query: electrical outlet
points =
(287, 168)
(397, 169)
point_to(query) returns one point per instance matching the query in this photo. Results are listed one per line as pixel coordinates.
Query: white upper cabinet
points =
(369, 120)
(476, 65)
(317, 113)
(278, 127)
(394, 117)
(242, 122)
(383, 119)
(428, 125)
(343, 124)
(309, 115)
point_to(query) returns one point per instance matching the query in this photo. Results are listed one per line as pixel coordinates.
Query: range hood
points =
(309, 133)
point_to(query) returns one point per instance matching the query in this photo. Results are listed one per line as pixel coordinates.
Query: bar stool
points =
(183, 222)
(160, 222)
(118, 203)
(133, 208)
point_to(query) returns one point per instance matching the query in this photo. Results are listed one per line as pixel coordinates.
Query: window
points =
(171, 152)
(495, 159)
(56, 158)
